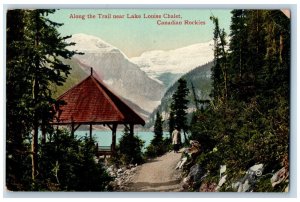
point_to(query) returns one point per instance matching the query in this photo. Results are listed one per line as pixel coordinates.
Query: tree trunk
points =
(34, 148)
(35, 101)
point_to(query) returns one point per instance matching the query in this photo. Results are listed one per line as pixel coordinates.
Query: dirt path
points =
(158, 175)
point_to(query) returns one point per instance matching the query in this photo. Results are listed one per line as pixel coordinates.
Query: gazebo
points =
(91, 102)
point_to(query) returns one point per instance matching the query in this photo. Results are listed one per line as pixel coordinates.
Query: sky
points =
(136, 35)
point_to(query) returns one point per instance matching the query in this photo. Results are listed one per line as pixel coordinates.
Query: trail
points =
(158, 175)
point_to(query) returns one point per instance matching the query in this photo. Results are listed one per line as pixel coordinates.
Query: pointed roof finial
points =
(91, 71)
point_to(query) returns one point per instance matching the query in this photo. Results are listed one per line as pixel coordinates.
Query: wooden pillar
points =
(131, 129)
(91, 130)
(72, 129)
(97, 150)
(114, 137)
(43, 128)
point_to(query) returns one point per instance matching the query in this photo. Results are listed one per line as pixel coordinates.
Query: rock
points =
(113, 174)
(133, 169)
(181, 163)
(126, 172)
(208, 187)
(194, 149)
(245, 186)
(256, 170)
(249, 179)
(110, 169)
(222, 169)
(131, 166)
(279, 176)
(196, 175)
(186, 179)
(221, 182)
(196, 172)
(286, 189)
(119, 182)
(235, 185)
(120, 170)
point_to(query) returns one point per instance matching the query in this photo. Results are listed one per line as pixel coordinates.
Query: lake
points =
(104, 138)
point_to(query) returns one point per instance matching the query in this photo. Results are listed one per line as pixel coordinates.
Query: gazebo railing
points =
(103, 150)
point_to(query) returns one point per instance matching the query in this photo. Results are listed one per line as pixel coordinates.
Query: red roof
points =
(91, 101)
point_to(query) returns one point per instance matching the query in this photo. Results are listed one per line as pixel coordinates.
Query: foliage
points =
(179, 106)
(77, 74)
(34, 52)
(200, 78)
(66, 164)
(130, 149)
(171, 122)
(76, 169)
(158, 145)
(248, 122)
(158, 130)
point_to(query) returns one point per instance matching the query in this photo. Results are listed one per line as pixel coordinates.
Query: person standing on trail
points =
(176, 139)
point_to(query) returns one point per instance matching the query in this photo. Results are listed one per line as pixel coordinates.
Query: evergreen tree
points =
(179, 106)
(171, 122)
(130, 148)
(256, 51)
(158, 130)
(35, 48)
(253, 124)
(220, 69)
(17, 110)
(237, 69)
(158, 145)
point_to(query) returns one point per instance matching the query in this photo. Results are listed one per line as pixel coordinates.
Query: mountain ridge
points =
(130, 81)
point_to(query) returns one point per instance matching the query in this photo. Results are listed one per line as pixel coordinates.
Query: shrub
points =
(130, 149)
(158, 149)
(68, 164)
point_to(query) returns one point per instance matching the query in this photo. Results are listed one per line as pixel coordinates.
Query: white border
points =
(175, 4)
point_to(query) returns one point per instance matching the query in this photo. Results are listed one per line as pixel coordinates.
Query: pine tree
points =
(171, 122)
(253, 124)
(220, 69)
(237, 69)
(179, 106)
(158, 130)
(37, 53)
(256, 51)
(17, 110)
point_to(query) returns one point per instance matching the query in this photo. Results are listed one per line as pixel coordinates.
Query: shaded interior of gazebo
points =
(91, 102)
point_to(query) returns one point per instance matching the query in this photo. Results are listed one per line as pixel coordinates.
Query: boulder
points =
(196, 172)
(280, 176)
(252, 174)
(181, 163)
(194, 149)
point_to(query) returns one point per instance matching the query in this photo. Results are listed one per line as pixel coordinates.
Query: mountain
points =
(168, 66)
(117, 71)
(140, 81)
(77, 74)
(201, 79)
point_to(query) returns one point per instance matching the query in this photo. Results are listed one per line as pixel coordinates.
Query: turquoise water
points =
(104, 138)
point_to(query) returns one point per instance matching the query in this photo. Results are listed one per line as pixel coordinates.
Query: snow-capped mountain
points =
(142, 80)
(174, 63)
(117, 71)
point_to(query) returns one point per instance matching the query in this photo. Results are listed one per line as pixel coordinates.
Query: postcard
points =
(148, 100)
